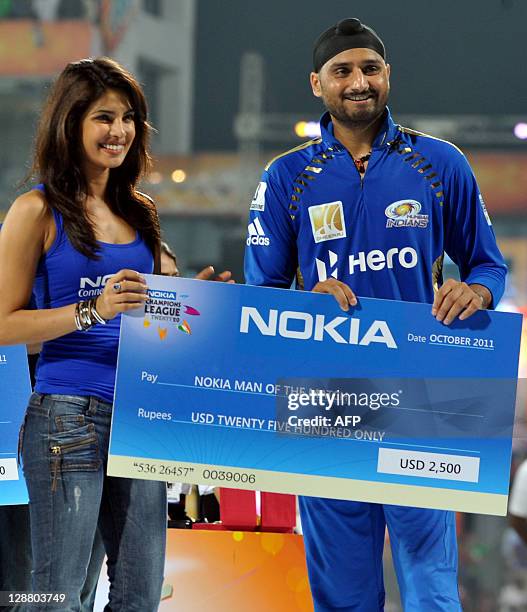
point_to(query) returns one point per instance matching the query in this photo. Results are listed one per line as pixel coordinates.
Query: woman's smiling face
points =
(108, 130)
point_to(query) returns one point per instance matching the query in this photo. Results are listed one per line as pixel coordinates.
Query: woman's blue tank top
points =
(82, 363)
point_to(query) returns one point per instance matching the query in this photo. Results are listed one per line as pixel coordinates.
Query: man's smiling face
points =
(354, 86)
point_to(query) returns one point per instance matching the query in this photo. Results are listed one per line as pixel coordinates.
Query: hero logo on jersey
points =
(373, 260)
(322, 270)
(258, 202)
(405, 213)
(327, 221)
(257, 235)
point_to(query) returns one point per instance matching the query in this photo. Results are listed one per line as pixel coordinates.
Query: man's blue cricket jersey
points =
(385, 234)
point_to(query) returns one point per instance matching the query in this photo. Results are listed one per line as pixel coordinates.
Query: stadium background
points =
(227, 87)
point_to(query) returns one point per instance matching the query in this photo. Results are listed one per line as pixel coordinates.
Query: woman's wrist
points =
(95, 312)
(87, 315)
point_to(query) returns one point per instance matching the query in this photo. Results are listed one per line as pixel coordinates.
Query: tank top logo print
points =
(92, 287)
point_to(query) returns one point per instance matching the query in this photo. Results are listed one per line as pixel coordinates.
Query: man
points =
(369, 209)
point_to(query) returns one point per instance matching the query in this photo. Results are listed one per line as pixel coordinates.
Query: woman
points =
(83, 238)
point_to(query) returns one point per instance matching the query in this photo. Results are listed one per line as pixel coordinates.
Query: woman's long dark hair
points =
(59, 154)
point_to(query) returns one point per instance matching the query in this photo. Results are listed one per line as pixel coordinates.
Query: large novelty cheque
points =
(277, 390)
(15, 389)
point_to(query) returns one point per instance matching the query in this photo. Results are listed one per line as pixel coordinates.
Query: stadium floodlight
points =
(307, 129)
(520, 131)
(179, 176)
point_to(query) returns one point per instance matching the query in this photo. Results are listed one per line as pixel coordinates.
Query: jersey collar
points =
(386, 134)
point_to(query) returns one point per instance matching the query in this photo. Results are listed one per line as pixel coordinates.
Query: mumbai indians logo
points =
(327, 221)
(405, 213)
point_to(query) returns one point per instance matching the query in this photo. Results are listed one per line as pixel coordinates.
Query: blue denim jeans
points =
(64, 452)
(89, 590)
(15, 558)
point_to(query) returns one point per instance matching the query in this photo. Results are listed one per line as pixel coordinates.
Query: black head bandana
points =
(346, 34)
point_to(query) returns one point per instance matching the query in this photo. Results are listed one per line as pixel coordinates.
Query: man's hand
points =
(341, 292)
(208, 272)
(455, 298)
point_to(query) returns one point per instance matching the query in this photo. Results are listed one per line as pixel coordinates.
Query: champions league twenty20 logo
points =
(164, 306)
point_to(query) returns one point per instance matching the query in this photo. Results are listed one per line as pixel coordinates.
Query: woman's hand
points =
(124, 291)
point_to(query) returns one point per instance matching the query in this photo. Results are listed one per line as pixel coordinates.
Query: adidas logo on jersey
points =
(257, 235)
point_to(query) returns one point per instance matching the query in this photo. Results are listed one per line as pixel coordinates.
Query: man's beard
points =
(355, 118)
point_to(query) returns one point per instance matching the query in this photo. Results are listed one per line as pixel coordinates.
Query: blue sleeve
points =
(469, 237)
(270, 252)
